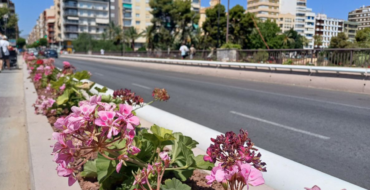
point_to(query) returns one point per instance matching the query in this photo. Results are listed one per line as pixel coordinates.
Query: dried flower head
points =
(128, 96)
(231, 148)
(160, 94)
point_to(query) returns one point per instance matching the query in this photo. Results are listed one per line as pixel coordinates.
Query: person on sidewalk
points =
(102, 51)
(4, 47)
(184, 50)
(192, 51)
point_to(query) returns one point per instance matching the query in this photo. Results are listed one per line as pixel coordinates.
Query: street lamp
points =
(5, 19)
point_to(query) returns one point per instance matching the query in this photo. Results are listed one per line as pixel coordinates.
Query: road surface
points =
(325, 130)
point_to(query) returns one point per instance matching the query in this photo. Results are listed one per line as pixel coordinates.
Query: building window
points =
(112, 7)
(137, 15)
(112, 15)
(137, 22)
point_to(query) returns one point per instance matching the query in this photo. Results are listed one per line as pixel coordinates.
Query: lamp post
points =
(5, 19)
(227, 27)
(218, 24)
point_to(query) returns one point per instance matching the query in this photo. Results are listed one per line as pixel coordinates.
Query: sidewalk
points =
(14, 156)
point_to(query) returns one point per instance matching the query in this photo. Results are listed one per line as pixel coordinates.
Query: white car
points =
(34, 51)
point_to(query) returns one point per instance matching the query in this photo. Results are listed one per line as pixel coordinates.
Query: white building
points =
(304, 18)
(327, 28)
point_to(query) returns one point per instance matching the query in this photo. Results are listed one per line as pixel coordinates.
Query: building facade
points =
(50, 25)
(350, 29)
(286, 22)
(136, 13)
(264, 9)
(327, 28)
(361, 16)
(12, 33)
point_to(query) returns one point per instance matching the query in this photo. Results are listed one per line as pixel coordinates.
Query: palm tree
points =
(287, 38)
(304, 40)
(132, 34)
(318, 40)
(148, 33)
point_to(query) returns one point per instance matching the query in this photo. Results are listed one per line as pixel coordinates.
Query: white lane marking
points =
(142, 86)
(281, 126)
(99, 74)
(273, 93)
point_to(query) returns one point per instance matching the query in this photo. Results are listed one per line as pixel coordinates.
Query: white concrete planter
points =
(227, 55)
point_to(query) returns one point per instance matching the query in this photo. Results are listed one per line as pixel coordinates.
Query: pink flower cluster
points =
(43, 104)
(241, 172)
(236, 155)
(94, 126)
(47, 70)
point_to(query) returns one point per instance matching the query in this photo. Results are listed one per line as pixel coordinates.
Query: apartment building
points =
(350, 29)
(264, 9)
(50, 24)
(286, 22)
(361, 16)
(11, 33)
(327, 28)
(136, 13)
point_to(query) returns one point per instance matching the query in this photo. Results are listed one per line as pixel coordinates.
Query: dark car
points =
(51, 53)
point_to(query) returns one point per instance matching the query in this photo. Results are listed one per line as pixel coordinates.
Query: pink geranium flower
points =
(37, 77)
(107, 121)
(64, 171)
(47, 70)
(125, 113)
(62, 87)
(218, 174)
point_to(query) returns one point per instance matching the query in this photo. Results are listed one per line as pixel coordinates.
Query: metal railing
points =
(219, 64)
(319, 57)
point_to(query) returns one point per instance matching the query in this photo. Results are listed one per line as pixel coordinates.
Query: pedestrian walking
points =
(102, 51)
(192, 51)
(4, 47)
(184, 50)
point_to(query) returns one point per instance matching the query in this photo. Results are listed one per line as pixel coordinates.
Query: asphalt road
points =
(325, 130)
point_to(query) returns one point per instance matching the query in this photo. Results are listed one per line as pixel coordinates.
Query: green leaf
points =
(64, 97)
(174, 184)
(81, 75)
(57, 84)
(201, 164)
(44, 81)
(105, 168)
(187, 141)
(85, 85)
(90, 170)
(106, 98)
(162, 134)
(101, 90)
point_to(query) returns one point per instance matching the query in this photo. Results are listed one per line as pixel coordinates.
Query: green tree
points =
(83, 43)
(340, 41)
(241, 26)
(21, 42)
(317, 40)
(211, 25)
(132, 35)
(173, 20)
(43, 42)
(148, 33)
(363, 38)
(287, 39)
(269, 31)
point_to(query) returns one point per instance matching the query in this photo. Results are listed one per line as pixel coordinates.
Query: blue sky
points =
(29, 10)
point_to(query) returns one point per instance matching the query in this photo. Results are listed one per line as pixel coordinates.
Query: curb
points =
(283, 173)
(43, 175)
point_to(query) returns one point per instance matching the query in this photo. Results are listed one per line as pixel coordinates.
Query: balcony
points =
(70, 30)
(69, 5)
(70, 23)
(70, 14)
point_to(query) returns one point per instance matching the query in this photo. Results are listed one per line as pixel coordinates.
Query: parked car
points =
(34, 51)
(51, 53)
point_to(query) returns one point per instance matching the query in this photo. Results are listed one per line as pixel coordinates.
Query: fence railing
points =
(318, 57)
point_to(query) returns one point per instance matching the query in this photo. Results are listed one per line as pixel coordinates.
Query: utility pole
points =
(227, 29)
(218, 24)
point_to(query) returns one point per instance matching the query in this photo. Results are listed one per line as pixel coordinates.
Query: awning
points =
(128, 6)
(102, 21)
(72, 18)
